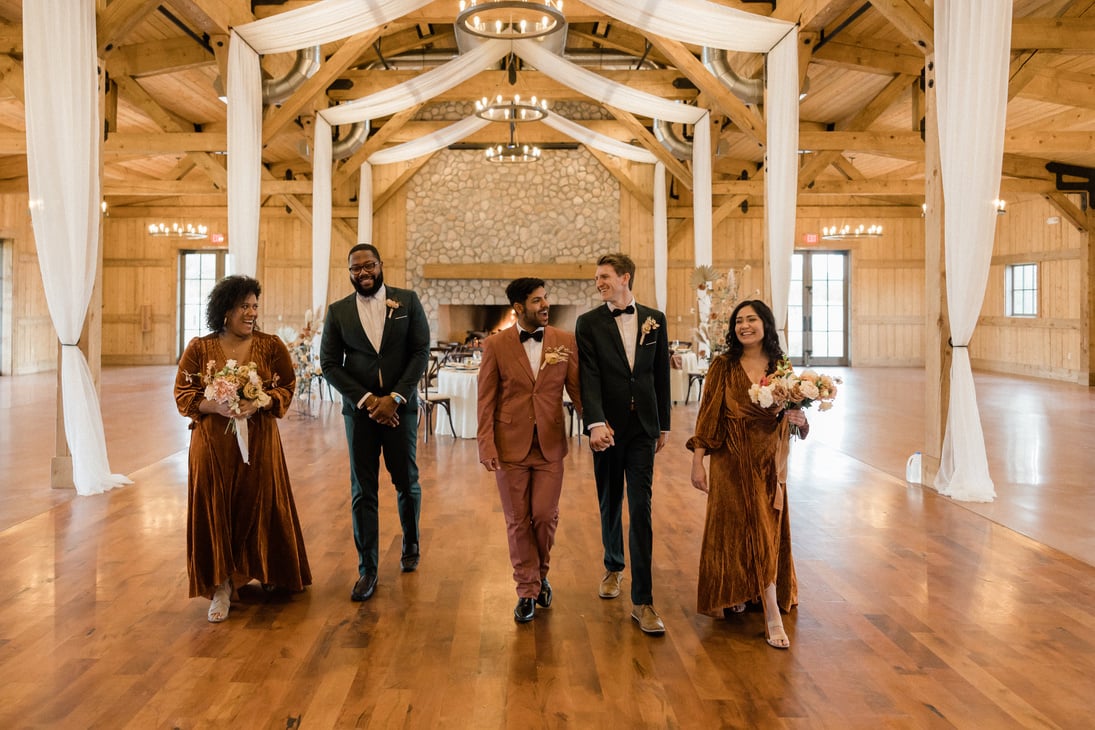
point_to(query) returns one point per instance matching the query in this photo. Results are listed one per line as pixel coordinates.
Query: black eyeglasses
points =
(369, 266)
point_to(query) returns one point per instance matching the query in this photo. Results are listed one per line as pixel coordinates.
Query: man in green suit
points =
(375, 347)
(624, 364)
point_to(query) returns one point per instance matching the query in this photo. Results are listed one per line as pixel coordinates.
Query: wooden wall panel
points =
(33, 339)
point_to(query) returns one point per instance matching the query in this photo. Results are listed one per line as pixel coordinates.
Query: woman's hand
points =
(248, 408)
(796, 416)
(699, 473)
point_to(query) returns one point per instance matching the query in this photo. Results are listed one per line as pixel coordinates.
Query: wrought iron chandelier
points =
(832, 233)
(512, 110)
(510, 19)
(176, 230)
(513, 152)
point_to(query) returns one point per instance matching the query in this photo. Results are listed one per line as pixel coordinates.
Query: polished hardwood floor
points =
(916, 611)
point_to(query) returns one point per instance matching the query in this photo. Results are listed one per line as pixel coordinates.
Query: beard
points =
(378, 281)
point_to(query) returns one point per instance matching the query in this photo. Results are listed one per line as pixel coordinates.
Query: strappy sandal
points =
(776, 636)
(222, 600)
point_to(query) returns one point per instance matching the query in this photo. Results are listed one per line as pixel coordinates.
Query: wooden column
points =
(937, 353)
(1087, 302)
(91, 337)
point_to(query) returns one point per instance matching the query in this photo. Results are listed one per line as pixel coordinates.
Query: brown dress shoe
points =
(649, 620)
(364, 588)
(610, 584)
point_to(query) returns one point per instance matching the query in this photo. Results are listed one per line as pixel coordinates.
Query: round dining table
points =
(461, 385)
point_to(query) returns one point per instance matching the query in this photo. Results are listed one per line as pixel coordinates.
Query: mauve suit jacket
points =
(512, 402)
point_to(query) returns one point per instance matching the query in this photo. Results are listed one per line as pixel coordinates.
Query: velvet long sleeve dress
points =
(747, 532)
(241, 518)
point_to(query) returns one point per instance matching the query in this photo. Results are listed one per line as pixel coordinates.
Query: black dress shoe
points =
(544, 599)
(525, 610)
(364, 588)
(409, 560)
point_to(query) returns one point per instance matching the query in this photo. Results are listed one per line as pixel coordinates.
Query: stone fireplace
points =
(458, 322)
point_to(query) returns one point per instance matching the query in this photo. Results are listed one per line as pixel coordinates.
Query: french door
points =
(817, 311)
(199, 271)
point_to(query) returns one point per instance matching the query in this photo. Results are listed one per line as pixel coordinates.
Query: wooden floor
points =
(916, 611)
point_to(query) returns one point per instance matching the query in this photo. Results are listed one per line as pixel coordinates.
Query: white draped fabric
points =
(972, 43)
(698, 21)
(321, 214)
(62, 119)
(428, 143)
(599, 141)
(244, 156)
(781, 171)
(365, 204)
(661, 237)
(323, 22)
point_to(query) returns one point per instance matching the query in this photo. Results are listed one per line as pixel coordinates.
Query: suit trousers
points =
(530, 492)
(632, 458)
(367, 439)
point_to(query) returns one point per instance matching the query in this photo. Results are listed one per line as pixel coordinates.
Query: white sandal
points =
(222, 599)
(776, 636)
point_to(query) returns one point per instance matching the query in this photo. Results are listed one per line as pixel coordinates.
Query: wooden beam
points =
(1056, 34)
(584, 272)
(615, 168)
(162, 56)
(865, 58)
(647, 140)
(317, 84)
(164, 143)
(1057, 87)
(352, 164)
(907, 19)
(214, 17)
(1069, 210)
(11, 75)
(119, 18)
(744, 118)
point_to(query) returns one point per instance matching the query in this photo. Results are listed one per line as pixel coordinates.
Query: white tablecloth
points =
(462, 388)
(678, 379)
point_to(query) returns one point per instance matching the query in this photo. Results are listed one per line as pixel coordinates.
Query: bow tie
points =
(538, 335)
(629, 309)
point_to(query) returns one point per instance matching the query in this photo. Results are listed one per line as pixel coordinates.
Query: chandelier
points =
(176, 230)
(510, 19)
(513, 152)
(513, 110)
(832, 233)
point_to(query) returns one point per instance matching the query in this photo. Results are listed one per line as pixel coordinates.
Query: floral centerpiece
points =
(306, 365)
(716, 297)
(785, 389)
(231, 385)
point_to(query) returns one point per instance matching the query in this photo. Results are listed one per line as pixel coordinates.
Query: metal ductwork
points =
(351, 143)
(677, 145)
(751, 91)
(275, 91)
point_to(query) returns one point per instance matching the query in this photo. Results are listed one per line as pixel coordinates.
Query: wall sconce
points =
(1000, 205)
(923, 210)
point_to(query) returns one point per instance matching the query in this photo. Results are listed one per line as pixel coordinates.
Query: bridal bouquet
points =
(785, 389)
(230, 385)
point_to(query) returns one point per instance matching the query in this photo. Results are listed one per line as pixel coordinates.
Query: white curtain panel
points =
(699, 22)
(661, 237)
(428, 143)
(244, 156)
(781, 171)
(323, 22)
(62, 119)
(365, 204)
(702, 232)
(972, 44)
(321, 212)
(598, 141)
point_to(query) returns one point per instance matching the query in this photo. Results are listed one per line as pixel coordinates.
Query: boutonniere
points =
(648, 326)
(392, 305)
(554, 355)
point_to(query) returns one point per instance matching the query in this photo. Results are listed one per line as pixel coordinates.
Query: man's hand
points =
(382, 409)
(600, 438)
(490, 464)
(663, 439)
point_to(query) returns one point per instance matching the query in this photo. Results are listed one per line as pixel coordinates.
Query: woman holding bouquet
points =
(746, 550)
(234, 384)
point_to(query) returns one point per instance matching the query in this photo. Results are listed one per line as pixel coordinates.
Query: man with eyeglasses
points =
(375, 347)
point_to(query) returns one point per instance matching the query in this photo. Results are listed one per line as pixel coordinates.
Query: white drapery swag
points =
(781, 173)
(62, 118)
(972, 43)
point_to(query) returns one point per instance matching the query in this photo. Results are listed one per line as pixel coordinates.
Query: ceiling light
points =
(510, 19)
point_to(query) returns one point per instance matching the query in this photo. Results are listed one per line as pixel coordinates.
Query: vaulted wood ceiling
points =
(860, 121)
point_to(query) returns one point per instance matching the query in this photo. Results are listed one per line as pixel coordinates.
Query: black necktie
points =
(538, 335)
(629, 309)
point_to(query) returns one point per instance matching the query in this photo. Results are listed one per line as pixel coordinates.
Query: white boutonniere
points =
(648, 326)
(392, 305)
(554, 355)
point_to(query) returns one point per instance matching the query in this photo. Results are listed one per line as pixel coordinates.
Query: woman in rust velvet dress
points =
(242, 523)
(746, 551)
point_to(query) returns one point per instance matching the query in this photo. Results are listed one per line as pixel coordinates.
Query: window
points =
(199, 271)
(1021, 287)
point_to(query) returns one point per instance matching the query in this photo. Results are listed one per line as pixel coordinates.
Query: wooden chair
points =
(694, 378)
(429, 403)
(573, 417)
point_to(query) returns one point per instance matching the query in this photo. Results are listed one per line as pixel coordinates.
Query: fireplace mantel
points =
(584, 272)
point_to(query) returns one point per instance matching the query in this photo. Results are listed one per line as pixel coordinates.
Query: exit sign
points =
(809, 239)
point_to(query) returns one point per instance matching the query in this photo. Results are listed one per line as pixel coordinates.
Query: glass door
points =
(199, 271)
(817, 310)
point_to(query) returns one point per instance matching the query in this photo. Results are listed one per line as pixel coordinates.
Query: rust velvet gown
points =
(241, 519)
(747, 532)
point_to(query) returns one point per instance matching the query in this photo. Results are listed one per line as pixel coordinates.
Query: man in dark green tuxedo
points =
(375, 347)
(624, 364)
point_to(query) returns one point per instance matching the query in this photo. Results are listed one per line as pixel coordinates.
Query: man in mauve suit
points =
(376, 343)
(624, 356)
(522, 433)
